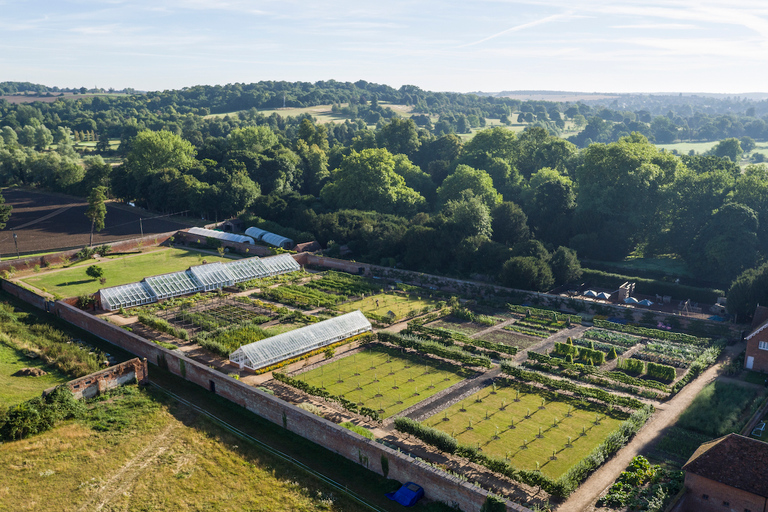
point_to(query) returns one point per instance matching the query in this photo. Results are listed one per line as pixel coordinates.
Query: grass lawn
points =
(721, 408)
(684, 147)
(454, 324)
(520, 444)
(399, 304)
(384, 379)
(138, 451)
(130, 269)
(14, 390)
(669, 266)
(512, 339)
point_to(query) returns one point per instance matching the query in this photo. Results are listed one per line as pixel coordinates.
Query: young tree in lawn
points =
(95, 272)
(96, 211)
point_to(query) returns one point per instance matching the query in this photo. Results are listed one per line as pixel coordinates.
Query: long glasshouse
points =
(212, 276)
(300, 341)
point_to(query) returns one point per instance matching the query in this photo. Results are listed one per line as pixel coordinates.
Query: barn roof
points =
(733, 460)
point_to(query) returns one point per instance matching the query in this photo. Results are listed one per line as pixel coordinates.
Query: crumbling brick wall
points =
(135, 370)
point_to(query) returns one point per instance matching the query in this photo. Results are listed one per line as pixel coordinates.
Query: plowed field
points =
(47, 222)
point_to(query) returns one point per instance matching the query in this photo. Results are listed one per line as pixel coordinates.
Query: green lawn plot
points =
(506, 428)
(14, 390)
(385, 379)
(512, 339)
(537, 326)
(454, 324)
(130, 269)
(668, 266)
(381, 304)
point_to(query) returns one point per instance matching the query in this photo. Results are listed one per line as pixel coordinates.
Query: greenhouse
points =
(220, 235)
(212, 276)
(126, 296)
(277, 241)
(280, 264)
(294, 343)
(173, 285)
(256, 233)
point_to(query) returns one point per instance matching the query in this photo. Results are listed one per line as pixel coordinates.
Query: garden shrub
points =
(660, 372)
(357, 429)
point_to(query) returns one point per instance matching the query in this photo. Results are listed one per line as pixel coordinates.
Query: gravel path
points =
(666, 414)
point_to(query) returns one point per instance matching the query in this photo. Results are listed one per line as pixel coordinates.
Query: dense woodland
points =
(408, 192)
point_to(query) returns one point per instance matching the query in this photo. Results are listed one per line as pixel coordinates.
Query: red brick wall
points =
(57, 258)
(109, 378)
(23, 294)
(738, 501)
(760, 363)
(437, 484)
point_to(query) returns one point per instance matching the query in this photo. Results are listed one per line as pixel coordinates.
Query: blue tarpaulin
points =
(407, 495)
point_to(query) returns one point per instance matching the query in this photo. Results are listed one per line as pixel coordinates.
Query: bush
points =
(631, 366)
(429, 435)
(430, 347)
(39, 414)
(660, 372)
(357, 429)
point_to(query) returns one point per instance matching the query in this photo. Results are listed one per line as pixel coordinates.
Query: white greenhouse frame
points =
(229, 237)
(280, 264)
(294, 343)
(173, 285)
(126, 296)
(212, 276)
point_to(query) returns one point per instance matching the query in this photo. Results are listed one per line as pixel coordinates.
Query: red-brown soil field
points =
(47, 222)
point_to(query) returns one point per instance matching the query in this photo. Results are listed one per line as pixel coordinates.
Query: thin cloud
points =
(517, 28)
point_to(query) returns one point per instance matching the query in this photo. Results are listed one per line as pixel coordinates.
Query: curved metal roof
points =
(230, 237)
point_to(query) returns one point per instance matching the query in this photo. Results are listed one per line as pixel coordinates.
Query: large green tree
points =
(367, 181)
(96, 211)
(466, 178)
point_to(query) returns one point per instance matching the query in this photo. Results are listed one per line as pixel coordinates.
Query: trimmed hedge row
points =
(597, 394)
(429, 435)
(660, 372)
(635, 366)
(524, 310)
(658, 334)
(163, 326)
(591, 370)
(561, 487)
(583, 353)
(651, 286)
(314, 390)
(431, 347)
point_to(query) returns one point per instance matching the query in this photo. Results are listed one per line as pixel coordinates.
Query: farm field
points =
(14, 390)
(512, 339)
(399, 304)
(135, 450)
(385, 379)
(45, 222)
(491, 417)
(128, 269)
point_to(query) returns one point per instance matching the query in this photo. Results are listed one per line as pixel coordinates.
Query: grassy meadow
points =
(72, 282)
(135, 450)
(399, 304)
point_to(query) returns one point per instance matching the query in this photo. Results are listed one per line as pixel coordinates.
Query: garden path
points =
(666, 414)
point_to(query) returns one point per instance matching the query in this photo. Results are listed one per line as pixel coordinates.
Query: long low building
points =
(211, 276)
(269, 351)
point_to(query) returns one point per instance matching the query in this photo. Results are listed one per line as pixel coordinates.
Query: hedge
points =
(652, 286)
(635, 366)
(163, 326)
(660, 372)
(430, 347)
(707, 358)
(314, 390)
(597, 394)
(658, 334)
(429, 435)
(524, 310)
(591, 370)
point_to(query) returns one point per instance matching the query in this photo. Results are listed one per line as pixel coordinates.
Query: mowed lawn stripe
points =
(129, 269)
(511, 442)
(384, 379)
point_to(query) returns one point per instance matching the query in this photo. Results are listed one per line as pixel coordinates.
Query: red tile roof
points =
(734, 460)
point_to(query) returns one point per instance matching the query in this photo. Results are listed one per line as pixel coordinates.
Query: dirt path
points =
(666, 414)
(123, 479)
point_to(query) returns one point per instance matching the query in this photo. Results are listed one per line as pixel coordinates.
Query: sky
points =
(475, 45)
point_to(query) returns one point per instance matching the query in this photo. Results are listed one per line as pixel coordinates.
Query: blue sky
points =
(592, 45)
